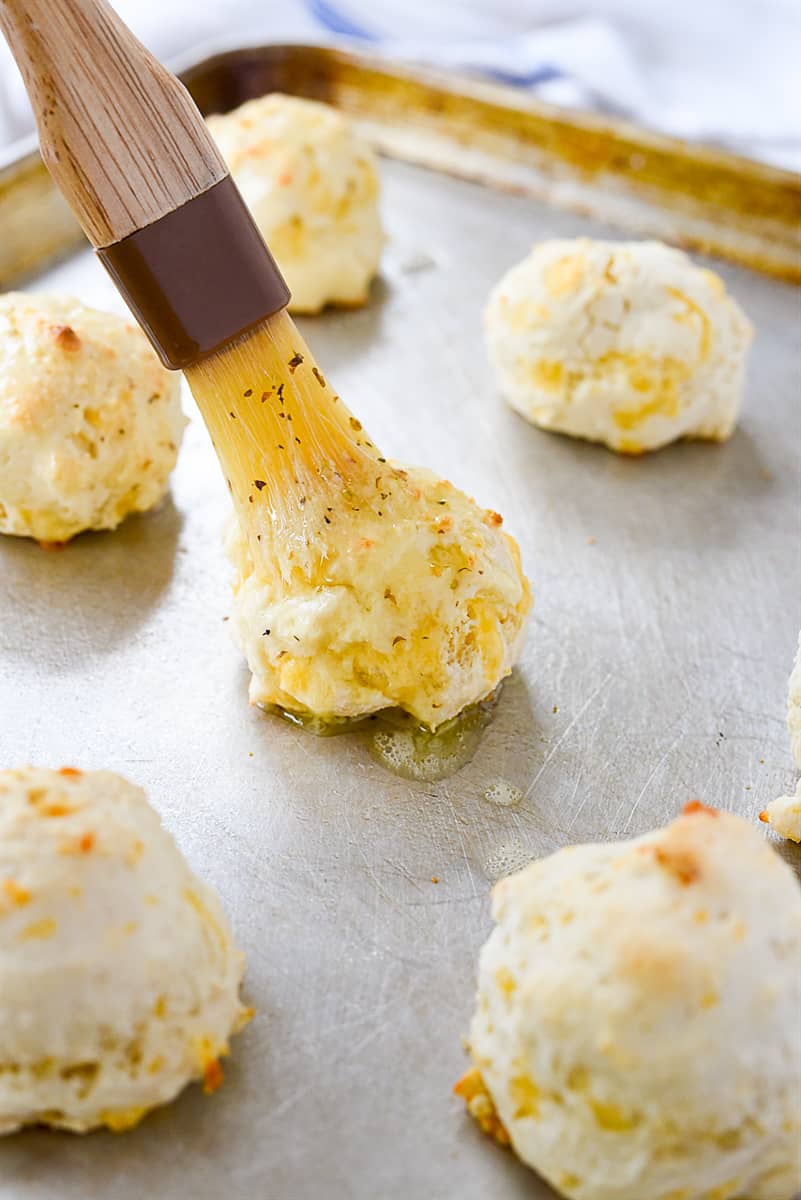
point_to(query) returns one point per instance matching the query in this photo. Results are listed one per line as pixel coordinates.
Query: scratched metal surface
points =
(655, 670)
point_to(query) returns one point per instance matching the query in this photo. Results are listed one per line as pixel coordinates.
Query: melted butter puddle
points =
(504, 793)
(507, 859)
(408, 749)
(403, 745)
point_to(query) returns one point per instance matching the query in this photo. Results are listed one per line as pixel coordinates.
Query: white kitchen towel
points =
(720, 71)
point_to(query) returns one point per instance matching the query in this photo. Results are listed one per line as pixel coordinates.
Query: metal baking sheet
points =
(691, 194)
(655, 670)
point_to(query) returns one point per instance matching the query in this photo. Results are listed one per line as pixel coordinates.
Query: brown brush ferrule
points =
(198, 277)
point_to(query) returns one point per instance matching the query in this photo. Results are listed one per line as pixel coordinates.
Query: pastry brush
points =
(130, 151)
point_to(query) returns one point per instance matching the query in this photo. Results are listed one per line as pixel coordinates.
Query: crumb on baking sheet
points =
(472, 1089)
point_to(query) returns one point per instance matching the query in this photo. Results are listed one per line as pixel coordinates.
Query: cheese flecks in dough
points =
(636, 1030)
(90, 421)
(625, 343)
(313, 188)
(119, 979)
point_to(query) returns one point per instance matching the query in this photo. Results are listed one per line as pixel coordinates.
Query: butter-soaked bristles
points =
(284, 438)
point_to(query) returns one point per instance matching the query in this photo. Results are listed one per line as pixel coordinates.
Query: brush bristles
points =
(283, 437)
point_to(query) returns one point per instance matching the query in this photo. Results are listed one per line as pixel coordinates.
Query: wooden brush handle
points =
(120, 135)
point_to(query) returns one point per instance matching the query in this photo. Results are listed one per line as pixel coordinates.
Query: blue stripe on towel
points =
(543, 74)
(330, 16)
(335, 21)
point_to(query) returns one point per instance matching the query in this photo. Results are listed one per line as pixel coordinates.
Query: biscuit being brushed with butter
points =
(637, 1032)
(360, 584)
(625, 343)
(398, 591)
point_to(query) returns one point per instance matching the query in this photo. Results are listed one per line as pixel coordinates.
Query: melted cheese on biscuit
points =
(403, 593)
